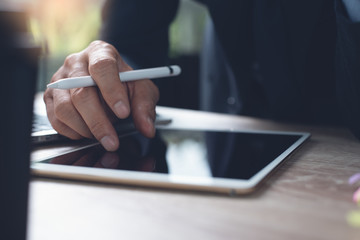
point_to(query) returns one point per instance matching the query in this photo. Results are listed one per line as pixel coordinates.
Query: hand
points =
(89, 112)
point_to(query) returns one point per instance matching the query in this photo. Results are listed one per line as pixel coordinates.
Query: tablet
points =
(233, 162)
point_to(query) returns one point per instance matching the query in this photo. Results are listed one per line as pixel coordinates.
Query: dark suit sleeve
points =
(348, 68)
(139, 29)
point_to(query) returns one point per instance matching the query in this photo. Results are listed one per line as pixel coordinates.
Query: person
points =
(284, 60)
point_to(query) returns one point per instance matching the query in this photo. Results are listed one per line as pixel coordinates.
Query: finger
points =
(104, 69)
(67, 114)
(76, 65)
(88, 105)
(59, 126)
(61, 112)
(144, 95)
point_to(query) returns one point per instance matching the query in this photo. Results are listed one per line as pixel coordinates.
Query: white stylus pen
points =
(87, 81)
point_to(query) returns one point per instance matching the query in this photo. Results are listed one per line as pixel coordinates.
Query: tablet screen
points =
(220, 154)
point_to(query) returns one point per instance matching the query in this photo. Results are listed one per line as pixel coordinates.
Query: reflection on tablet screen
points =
(234, 155)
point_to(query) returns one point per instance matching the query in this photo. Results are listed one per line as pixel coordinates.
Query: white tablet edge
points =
(159, 180)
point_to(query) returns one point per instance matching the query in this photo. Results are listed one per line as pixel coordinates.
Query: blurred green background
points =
(66, 26)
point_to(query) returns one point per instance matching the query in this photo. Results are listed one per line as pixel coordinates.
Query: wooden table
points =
(307, 198)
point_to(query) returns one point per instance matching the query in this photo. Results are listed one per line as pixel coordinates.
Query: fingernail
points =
(121, 110)
(108, 143)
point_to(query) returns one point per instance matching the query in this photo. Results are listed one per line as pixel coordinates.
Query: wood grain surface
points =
(308, 197)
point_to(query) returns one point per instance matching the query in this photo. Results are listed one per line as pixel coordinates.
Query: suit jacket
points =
(278, 59)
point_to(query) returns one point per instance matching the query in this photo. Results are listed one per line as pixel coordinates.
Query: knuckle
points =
(77, 72)
(63, 110)
(98, 44)
(107, 46)
(101, 64)
(74, 66)
(71, 59)
(80, 95)
(98, 129)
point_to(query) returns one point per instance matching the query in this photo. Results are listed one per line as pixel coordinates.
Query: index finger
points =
(104, 62)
